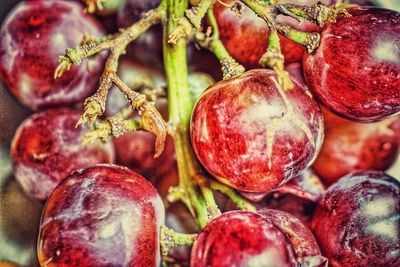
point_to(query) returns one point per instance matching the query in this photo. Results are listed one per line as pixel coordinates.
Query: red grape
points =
(147, 49)
(357, 221)
(101, 216)
(303, 241)
(47, 147)
(355, 71)
(246, 38)
(240, 238)
(32, 37)
(299, 207)
(132, 10)
(306, 186)
(350, 146)
(136, 149)
(250, 134)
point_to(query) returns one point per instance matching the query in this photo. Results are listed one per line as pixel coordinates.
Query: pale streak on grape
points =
(46, 263)
(289, 116)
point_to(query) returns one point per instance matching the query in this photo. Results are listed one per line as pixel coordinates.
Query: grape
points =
(104, 215)
(47, 147)
(355, 72)
(357, 221)
(241, 238)
(32, 37)
(136, 149)
(246, 38)
(303, 241)
(306, 186)
(349, 146)
(147, 49)
(250, 134)
(132, 10)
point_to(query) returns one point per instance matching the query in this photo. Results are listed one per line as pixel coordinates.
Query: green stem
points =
(235, 197)
(180, 108)
(196, 13)
(169, 238)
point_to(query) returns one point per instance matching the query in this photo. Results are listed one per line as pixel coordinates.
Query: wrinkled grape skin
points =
(361, 84)
(246, 38)
(232, 124)
(47, 147)
(32, 38)
(357, 221)
(349, 146)
(240, 238)
(102, 216)
(302, 239)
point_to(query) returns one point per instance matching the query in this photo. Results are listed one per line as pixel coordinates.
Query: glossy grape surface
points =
(101, 216)
(47, 147)
(355, 71)
(250, 134)
(357, 221)
(240, 238)
(32, 38)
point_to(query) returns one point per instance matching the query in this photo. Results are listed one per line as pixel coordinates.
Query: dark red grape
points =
(357, 221)
(303, 241)
(132, 10)
(250, 134)
(47, 147)
(147, 49)
(350, 146)
(299, 207)
(32, 37)
(306, 186)
(240, 238)
(136, 149)
(246, 37)
(355, 71)
(101, 216)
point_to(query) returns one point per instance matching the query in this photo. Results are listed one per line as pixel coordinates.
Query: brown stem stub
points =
(152, 120)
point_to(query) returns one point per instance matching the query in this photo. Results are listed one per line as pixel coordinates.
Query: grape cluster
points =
(282, 162)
